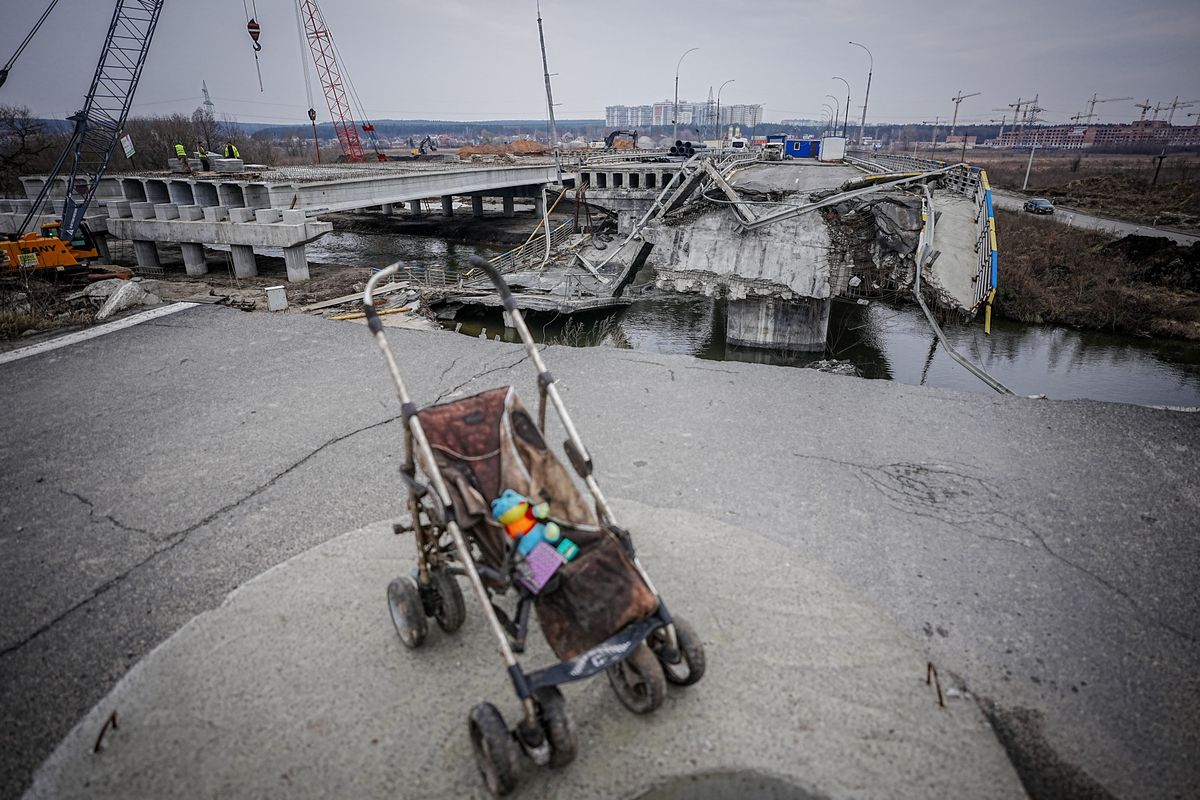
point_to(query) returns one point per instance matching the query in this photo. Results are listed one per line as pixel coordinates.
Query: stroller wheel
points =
(558, 725)
(451, 610)
(684, 666)
(495, 750)
(638, 681)
(404, 604)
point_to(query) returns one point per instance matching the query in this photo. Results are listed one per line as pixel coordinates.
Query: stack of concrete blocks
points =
(228, 166)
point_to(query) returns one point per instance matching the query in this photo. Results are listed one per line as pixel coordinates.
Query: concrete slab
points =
(297, 684)
(955, 232)
(1041, 549)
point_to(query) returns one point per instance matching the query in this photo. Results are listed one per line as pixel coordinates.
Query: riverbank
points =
(1053, 273)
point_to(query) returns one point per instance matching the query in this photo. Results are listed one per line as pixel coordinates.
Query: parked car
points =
(1039, 205)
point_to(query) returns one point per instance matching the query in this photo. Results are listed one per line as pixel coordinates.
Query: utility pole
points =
(867, 96)
(1029, 166)
(846, 118)
(549, 98)
(957, 100)
(675, 111)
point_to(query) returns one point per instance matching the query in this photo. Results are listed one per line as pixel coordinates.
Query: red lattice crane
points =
(330, 73)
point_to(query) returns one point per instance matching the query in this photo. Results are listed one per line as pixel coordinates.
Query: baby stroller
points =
(468, 464)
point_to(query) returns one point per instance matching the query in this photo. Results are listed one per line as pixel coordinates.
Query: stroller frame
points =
(537, 729)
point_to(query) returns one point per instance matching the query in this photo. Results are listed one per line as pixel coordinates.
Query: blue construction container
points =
(802, 148)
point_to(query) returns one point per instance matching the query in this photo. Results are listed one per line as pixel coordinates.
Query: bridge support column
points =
(769, 322)
(386, 208)
(244, 265)
(539, 206)
(414, 206)
(477, 206)
(448, 206)
(296, 261)
(193, 258)
(146, 254)
(509, 206)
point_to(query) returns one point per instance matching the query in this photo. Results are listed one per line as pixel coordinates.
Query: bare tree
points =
(25, 146)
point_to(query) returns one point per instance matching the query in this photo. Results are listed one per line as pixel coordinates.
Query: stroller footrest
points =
(609, 652)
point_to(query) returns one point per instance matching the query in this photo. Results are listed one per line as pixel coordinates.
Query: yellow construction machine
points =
(44, 250)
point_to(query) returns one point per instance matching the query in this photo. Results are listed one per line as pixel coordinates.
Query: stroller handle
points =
(386, 272)
(506, 294)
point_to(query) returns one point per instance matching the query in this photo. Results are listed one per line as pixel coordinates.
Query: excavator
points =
(426, 146)
(611, 139)
(66, 245)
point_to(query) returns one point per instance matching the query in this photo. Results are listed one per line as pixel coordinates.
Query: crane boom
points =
(330, 73)
(105, 109)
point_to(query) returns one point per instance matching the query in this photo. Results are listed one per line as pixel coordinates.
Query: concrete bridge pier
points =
(768, 322)
(193, 258)
(509, 205)
(386, 208)
(146, 254)
(296, 261)
(414, 207)
(477, 206)
(448, 205)
(244, 265)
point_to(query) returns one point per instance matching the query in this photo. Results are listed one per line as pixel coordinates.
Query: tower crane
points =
(1145, 107)
(957, 99)
(1091, 112)
(97, 126)
(1172, 106)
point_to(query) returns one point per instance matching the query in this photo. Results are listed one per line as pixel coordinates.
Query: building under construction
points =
(1142, 133)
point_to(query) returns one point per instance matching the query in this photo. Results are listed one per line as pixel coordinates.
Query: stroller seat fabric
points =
(488, 443)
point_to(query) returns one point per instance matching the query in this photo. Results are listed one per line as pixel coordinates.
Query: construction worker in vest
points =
(181, 154)
(231, 151)
(202, 156)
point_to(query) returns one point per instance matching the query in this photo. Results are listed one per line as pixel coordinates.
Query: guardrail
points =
(971, 182)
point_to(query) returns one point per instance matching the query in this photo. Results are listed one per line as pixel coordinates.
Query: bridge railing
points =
(970, 182)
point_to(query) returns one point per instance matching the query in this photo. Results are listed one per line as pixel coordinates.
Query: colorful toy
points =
(524, 521)
(539, 567)
(539, 538)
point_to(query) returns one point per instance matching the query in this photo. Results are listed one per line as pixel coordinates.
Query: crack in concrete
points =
(455, 389)
(91, 507)
(915, 492)
(173, 539)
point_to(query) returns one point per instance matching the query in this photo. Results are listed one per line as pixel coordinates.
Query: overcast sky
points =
(478, 59)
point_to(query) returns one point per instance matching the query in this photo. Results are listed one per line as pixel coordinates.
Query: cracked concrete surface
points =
(1044, 551)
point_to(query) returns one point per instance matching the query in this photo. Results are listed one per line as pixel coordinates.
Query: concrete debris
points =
(835, 367)
(127, 295)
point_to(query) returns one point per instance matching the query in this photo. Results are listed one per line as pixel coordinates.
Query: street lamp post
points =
(846, 119)
(675, 113)
(837, 110)
(720, 135)
(867, 97)
(828, 109)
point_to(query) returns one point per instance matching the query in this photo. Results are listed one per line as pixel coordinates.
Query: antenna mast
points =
(549, 93)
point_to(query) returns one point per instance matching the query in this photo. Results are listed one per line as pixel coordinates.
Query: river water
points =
(884, 342)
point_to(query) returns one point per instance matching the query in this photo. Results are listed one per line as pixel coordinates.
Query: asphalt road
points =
(1044, 551)
(1065, 215)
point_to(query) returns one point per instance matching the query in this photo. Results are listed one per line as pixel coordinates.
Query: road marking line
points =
(92, 333)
